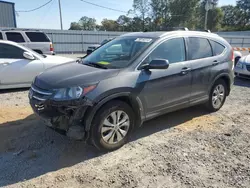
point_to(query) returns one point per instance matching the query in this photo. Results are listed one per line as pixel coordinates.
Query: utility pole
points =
(60, 10)
(208, 7)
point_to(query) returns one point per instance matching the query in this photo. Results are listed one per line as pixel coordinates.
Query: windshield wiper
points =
(96, 65)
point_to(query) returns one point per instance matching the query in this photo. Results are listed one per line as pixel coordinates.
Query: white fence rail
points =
(68, 41)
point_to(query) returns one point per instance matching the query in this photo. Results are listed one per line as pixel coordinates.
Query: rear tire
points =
(112, 126)
(217, 96)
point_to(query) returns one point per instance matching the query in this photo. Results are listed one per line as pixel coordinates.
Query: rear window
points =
(15, 37)
(1, 36)
(199, 48)
(37, 37)
(217, 47)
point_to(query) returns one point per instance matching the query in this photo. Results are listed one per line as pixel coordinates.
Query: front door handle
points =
(185, 71)
(215, 63)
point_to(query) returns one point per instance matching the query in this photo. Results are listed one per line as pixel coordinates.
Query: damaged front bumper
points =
(66, 116)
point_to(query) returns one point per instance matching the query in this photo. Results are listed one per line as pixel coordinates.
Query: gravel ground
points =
(188, 148)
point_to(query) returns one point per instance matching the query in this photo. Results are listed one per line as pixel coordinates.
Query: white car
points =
(19, 65)
(242, 68)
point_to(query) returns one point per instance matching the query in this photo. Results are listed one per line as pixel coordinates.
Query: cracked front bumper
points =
(58, 114)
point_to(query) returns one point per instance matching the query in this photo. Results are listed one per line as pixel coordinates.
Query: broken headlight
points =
(72, 93)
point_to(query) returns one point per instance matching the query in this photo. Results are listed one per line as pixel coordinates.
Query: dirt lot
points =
(188, 148)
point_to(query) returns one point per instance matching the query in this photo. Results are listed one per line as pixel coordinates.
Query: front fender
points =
(135, 102)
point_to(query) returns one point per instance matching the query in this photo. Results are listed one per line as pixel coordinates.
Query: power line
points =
(103, 6)
(35, 8)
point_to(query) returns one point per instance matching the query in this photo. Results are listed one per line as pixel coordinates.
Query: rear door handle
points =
(216, 63)
(185, 70)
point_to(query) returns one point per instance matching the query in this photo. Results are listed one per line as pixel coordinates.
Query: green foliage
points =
(152, 15)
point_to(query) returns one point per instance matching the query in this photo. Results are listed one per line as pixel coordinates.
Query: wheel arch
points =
(226, 78)
(133, 102)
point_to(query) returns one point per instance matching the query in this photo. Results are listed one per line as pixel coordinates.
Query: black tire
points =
(96, 137)
(209, 104)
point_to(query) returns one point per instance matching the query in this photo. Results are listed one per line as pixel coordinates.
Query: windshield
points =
(118, 53)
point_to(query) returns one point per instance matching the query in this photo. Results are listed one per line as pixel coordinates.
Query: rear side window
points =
(11, 52)
(217, 48)
(199, 48)
(37, 37)
(15, 37)
(1, 36)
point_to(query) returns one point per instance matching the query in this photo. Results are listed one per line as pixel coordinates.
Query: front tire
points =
(112, 126)
(217, 96)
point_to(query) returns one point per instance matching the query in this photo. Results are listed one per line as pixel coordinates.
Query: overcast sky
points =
(72, 10)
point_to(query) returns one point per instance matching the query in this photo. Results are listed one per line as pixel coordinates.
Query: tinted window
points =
(217, 48)
(199, 48)
(37, 37)
(15, 37)
(172, 50)
(10, 52)
(1, 36)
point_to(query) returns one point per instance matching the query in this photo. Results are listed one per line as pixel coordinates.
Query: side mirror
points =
(28, 56)
(156, 64)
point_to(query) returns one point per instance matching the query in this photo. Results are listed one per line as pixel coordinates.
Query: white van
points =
(35, 40)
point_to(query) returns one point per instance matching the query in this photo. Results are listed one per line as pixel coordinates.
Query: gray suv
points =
(134, 78)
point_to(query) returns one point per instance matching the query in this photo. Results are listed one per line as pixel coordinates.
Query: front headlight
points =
(239, 65)
(73, 92)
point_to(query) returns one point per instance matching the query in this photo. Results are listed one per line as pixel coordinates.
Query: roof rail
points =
(177, 29)
(12, 29)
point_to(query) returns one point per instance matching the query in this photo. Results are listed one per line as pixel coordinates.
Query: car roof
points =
(159, 34)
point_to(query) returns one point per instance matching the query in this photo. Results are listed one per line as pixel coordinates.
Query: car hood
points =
(58, 59)
(52, 60)
(245, 59)
(72, 74)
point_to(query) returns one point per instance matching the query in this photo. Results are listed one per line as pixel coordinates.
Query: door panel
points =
(19, 71)
(161, 90)
(164, 89)
(14, 68)
(201, 59)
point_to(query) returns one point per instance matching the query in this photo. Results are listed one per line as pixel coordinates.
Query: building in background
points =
(7, 14)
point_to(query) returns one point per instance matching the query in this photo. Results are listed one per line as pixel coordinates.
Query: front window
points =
(118, 53)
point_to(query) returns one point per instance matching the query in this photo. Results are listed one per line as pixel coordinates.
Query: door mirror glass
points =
(156, 64)
(28, 56)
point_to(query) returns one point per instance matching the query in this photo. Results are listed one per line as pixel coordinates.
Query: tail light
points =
(51, 48)
(232, 55)
(232, 58)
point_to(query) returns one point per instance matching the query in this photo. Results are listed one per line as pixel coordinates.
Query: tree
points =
(182, 12)
(109, 25)
(160, 13)
(214, 17)
(75, 26)
(244, 12)
(87, 23)
(124, 23)
(142, 7)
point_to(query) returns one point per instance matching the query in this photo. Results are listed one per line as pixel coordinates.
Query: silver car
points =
(242, 68)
